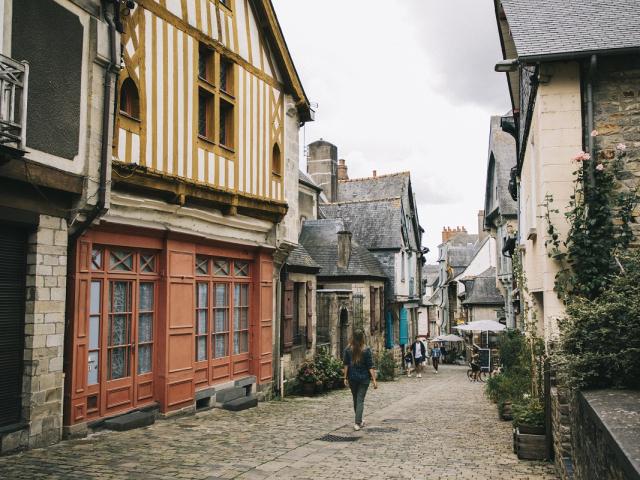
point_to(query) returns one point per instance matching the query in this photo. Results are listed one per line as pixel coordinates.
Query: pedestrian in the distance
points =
(443, 354)
(435, 357)
(408, 362)
(358, 372)
(419, 355)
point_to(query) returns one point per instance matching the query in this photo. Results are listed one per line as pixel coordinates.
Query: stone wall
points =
(606, 435)
(43, 376)
(617, 109)
(561, 431)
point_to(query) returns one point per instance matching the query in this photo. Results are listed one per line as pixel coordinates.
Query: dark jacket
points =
(358, 372)
(422, 349)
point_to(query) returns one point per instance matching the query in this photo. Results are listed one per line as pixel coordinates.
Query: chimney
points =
(342, 170)
(344, 249)
(482, 234)
(375, 174)
(322, 167)
(448, 233)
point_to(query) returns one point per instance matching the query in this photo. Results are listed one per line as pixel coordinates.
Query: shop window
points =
(146, 308)
(94, 333)
(119, 342)
(241, 318)
(220, 333)
(202, 320)
(129, 99)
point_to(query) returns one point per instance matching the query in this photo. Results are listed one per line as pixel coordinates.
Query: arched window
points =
(129, 99)
(276, 161)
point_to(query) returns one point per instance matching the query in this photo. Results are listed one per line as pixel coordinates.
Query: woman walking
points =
(358, 372)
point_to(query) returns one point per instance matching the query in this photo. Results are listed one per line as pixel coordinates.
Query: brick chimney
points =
(342, 170)
(448, 233)
(344, 249)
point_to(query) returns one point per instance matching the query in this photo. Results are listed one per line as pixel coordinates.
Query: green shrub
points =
(509, 386)
(307, 373)
(386, 365)
(600, 338)
(528, 412)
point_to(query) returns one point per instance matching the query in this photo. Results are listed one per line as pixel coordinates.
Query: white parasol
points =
(482, 326)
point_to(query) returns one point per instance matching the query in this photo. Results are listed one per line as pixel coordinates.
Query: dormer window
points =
(129, 99)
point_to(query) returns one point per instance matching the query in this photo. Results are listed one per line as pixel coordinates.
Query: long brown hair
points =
(357, 346)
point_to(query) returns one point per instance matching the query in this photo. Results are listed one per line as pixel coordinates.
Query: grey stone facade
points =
(43, 378)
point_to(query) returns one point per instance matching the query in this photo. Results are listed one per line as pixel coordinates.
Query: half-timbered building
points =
(172, 291)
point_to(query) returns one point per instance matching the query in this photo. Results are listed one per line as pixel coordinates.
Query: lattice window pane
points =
(147, 263)
(221, 268)
(145, 327)
(201, 349)
(202, 265)
(96, 259)
(241, 269)
(121, 260)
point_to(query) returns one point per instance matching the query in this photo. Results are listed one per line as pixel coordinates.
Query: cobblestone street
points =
(437, 427)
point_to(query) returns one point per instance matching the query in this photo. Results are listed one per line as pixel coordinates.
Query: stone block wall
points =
(43, 376)
(561, 431)
(617, 116)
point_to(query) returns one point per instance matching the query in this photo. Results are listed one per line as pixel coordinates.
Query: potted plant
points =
(529, 430)
(307, 377)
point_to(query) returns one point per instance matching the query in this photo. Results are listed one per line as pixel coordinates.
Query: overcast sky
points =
(404, 85)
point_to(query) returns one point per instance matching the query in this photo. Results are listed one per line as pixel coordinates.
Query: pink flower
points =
(582, 157)
(621, 147)
(600, 167)
(594, 133)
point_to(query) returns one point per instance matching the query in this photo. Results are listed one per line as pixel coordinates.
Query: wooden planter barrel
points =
(529, 446)
(505, 413)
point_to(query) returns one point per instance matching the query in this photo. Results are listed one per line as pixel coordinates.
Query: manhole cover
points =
(337, 438)
(381, 429)
(395, 420)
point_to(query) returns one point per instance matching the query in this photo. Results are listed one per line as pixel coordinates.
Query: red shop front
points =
(157, 317)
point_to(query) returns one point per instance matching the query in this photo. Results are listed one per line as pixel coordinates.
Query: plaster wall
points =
(288, 229)
(555, 138)
(485, 258)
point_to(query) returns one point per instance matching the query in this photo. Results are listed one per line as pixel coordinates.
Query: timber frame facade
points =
(172, 292)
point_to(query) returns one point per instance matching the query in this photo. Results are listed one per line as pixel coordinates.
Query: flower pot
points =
(531, 429)
(308, 388)
(319, 387)
(338, 384)
(529, 446)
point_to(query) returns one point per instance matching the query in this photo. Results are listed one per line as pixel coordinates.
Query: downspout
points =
(99, 208)
(593, 64)
(278, 326)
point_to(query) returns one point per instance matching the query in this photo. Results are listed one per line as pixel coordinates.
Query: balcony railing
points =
(14, 80)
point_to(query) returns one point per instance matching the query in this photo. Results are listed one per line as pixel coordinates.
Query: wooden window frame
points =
(220, 109)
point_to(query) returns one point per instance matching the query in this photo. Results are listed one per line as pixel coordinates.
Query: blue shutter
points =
(404, 327)
(389, 329)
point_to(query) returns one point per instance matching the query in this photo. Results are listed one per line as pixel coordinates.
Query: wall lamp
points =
(506, 66)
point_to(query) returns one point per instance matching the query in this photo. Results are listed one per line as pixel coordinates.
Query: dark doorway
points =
(344, 330)
(13, 261)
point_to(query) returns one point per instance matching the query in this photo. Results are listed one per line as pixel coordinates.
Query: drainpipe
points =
(110, 69)
(278, 320)
(593, 64)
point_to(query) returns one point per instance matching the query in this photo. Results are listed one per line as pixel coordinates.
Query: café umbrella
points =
(481, 326)
(448, 338)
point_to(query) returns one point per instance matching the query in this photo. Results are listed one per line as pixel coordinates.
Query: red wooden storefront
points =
(158, 316)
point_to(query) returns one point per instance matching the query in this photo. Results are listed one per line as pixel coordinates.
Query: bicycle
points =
(480, 376)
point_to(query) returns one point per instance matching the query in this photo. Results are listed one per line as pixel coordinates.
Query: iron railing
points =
(14, 81)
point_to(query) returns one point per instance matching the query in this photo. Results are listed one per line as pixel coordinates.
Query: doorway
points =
(344, 330)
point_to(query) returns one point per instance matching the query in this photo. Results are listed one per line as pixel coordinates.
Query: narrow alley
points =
(437, 427)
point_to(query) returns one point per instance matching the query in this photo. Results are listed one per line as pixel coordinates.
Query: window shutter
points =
(372, 308)
(309, 303)
(287, 317)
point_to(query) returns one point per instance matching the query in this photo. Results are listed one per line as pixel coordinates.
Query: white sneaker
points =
(436, 372)
(356, 427)
(419, 375)
(362, 424)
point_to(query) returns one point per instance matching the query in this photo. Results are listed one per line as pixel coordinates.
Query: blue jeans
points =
(358, 391)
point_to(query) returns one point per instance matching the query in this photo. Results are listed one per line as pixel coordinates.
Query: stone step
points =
(130, 421)
(242, 403)
(229, 394)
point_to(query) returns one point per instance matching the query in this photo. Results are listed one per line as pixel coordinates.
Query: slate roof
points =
(482, 289)
(430, 273)
(568, 27)
(306, 180)
(374, 188)
(502, 157)
(375, 224)
(320, 240)
(300, 258)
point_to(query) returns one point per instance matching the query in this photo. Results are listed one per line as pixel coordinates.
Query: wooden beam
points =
(42, 175)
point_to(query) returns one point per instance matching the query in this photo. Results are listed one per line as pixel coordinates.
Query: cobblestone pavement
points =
(437, 427)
